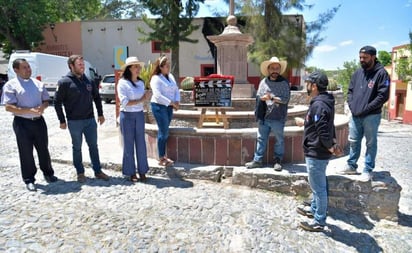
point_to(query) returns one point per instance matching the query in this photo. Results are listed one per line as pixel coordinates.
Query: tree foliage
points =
(118, 9)
(284, 36)
(345, 74)
(404, 65)
(173, 25)
(385, 58)
(22, 21)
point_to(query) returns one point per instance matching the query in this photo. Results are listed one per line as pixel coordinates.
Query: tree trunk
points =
(175, 65)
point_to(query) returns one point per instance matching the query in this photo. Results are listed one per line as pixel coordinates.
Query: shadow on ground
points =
(362, 242)
(64, 187)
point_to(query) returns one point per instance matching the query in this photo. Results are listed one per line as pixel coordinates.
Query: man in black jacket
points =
(368, 92)
(76, 93)
(318, 147)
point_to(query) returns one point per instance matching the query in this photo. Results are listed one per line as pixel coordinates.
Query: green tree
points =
(22, 21)
(385, 58)
(404, 65)
(175, 25)
(118, 9)
(289, 37)
(345, 74)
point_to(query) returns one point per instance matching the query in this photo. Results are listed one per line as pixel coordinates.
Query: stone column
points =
(232, 57)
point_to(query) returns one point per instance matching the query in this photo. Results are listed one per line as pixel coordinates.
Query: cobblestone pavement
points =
(173, 215)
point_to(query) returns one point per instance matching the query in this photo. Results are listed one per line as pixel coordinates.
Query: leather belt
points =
(32, 119)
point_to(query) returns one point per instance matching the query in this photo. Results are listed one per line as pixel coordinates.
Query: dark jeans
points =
(29, 134)
(163, 115)
(88, 128)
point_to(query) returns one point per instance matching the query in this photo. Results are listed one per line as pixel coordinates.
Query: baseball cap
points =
(368, 50)
(319, 78)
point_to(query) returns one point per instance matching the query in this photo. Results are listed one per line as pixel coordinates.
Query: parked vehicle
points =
(48, 68)
(107, 88)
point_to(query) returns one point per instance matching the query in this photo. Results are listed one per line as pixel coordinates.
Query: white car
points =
(107, 88)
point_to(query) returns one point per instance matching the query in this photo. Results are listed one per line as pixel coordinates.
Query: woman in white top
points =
(132, 95)
(165, 99)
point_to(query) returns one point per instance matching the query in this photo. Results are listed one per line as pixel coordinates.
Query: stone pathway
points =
(173, 215)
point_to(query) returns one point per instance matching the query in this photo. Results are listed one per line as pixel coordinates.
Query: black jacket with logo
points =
(77, 96)
(319, 130)
(368, 91)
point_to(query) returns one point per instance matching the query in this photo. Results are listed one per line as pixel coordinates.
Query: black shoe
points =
(31, 187)
(50, 179)
(277, 164)
(305, 211)
(142, 177)
(306, 203)
(312, 227)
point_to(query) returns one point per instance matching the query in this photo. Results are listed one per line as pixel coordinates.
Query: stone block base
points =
(378, 198)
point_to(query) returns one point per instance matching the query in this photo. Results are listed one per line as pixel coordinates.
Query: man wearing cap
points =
(271, 111)
(76, 93)
(318, 147)
(368, 92)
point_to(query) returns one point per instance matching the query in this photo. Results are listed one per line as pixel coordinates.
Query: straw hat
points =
(264, 65)
(131, 61)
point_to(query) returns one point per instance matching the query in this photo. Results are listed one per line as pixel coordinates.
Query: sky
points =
(383, 24)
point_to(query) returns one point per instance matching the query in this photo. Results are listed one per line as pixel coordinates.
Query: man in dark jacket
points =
(318, 147)
(271, 111)
(76, 93)
(368, 92)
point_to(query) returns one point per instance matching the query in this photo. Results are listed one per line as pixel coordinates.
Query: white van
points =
(48, 68)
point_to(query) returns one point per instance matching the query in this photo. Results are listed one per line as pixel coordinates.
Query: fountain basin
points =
(231, 147)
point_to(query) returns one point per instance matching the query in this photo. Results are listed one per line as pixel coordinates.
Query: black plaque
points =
(213, 92)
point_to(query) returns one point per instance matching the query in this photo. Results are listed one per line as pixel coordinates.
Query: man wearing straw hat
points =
(272, 100)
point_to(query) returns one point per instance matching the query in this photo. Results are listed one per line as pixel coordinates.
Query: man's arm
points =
(58, 102)
(98, 103)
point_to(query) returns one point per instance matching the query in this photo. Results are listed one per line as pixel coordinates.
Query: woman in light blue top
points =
(132, 95)
(165, 99)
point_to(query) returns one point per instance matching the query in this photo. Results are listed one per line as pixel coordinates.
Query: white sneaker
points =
(365, 177)
(347, 170)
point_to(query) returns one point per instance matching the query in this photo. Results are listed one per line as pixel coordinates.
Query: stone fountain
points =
(232, 57)
(236, 145)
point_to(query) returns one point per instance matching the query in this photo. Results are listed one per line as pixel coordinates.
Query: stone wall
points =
(378, 198)
(301, 98)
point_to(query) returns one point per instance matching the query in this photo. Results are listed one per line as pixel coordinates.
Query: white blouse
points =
(127, 92)
(164, 91)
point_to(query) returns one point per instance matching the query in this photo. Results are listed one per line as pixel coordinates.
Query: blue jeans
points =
(163, 115)
(363, 126)
(264, 129)
(318, 183)
(133, 135)
(88, 128)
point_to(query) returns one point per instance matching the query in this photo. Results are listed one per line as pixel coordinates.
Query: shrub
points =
(145, 74)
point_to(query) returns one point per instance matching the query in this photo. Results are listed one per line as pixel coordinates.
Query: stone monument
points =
(231, 57)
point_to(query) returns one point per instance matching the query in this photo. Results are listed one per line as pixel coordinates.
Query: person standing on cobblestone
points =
(76, 93)
(368, 92)
(27, 98)
(165, 99)
(132, 95)
(319, 143)
(272, 100)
